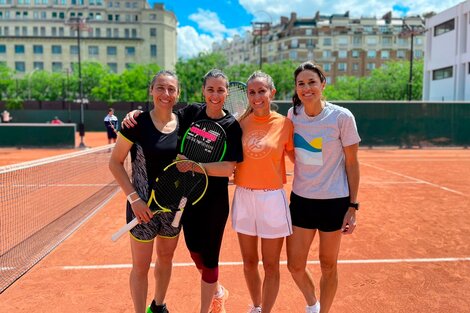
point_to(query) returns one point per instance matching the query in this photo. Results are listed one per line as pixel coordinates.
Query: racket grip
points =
(124, 229)
(177, 219)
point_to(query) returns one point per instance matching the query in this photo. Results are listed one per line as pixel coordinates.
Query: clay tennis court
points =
(409, 253)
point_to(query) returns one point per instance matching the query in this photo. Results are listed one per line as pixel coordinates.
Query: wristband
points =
(129, 196)
(135, 200)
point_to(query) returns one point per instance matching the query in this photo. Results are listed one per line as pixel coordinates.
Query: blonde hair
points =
(269, 82)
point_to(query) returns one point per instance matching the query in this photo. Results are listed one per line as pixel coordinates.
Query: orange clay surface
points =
(409, 253)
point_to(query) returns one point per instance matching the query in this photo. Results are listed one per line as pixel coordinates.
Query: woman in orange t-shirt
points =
(260, 208)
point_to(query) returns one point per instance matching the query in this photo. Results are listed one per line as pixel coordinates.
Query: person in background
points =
(112, 125)
(153, 145)
(56, 121)
(325, 186)
(204, 223)
(260, 208)
(6, 117)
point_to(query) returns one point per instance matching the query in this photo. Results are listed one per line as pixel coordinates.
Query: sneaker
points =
(154, 308)
(218, 304)
(313, 309)
(255, 309)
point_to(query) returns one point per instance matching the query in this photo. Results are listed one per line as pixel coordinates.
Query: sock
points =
(220, 292)
(315, 307)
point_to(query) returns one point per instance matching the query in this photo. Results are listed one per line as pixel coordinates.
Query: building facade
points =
(42, 34)
(447, 57)
(343, 45)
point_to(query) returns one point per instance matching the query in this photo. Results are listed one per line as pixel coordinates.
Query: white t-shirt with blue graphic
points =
(319, 171)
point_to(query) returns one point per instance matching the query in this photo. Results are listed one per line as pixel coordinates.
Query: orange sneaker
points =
(218, 304)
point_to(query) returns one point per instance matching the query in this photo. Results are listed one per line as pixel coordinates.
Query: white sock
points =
(314, 308)
(220, 292)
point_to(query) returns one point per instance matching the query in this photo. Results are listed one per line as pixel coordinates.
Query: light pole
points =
(409, 32)
(79, 24)
(260, 28)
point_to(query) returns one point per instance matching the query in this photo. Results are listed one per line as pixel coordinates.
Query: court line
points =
(417, 180)
(360, 261)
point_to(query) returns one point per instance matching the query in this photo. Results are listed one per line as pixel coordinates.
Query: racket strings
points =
(205, 142)
(172, 185)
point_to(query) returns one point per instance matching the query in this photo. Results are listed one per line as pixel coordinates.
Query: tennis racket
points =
(181, 183)
(237, 101)
(204, 141)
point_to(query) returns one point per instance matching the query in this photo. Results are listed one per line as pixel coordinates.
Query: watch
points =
(354, 205)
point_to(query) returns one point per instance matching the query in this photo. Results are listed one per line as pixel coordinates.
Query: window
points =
(293, 55)
(371, 54)
(385, 54)
(343, 54)
(444, 27)
(442, 73)
(401, 54)
(294, 43)
(20, 67)
(387, 41)
(371, 41)
(38, 49)
(3, 49)
(38, 65)
(355, 54)
(19, 49)
(326, 54)
(93, 51)
(57, 67)
(73, 50)
(56, 49)
(418, 54)
(153, 50)
(343, 41)
(327, 67)
(134, 33)
(112, 50)
(370, 66)
(342, 67)
(130, 51)
(327, 41)
(357, 40)
(112, 67)
(355, 67)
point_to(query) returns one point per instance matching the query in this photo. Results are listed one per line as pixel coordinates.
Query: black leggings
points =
(204, 225)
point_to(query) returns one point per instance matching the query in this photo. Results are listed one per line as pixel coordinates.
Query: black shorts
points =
(159, 225)
(111, 134)
(322, 214)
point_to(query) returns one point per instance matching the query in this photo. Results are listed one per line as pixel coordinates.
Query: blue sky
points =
(201, 22)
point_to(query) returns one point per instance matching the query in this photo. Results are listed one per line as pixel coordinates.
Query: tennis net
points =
(42, 202)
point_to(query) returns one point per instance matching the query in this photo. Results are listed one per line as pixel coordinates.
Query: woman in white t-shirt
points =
(325, 186)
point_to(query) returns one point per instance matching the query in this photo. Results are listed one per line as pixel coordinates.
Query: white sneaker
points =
(255, 309)
(313, 309)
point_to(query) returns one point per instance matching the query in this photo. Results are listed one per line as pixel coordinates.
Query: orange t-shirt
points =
(265, 140)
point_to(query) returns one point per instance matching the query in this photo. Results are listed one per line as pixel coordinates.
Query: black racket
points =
(204, 141)
(182, 182)
(237, 101)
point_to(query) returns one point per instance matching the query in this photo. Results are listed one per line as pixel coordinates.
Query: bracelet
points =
(129, 196)
(135, 200)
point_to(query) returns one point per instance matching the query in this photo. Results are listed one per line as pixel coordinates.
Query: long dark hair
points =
(306, 66)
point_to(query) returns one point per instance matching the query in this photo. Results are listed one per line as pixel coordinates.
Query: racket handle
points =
(124, 229)
(177, 219)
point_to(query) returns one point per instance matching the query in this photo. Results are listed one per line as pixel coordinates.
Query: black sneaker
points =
(154, 308)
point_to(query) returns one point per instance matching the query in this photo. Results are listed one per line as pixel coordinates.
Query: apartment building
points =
(42, 34)
(343, 45)
(447, 58)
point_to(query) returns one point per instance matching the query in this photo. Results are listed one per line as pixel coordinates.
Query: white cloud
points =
(191, 43)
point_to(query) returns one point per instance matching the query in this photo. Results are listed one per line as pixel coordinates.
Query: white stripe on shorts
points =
(263, 213)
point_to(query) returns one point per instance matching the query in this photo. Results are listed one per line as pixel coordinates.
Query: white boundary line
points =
(365, 261)
(417, 180)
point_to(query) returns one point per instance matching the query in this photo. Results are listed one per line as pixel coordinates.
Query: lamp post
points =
(79, 24)
(259, 29)
(411, 31)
